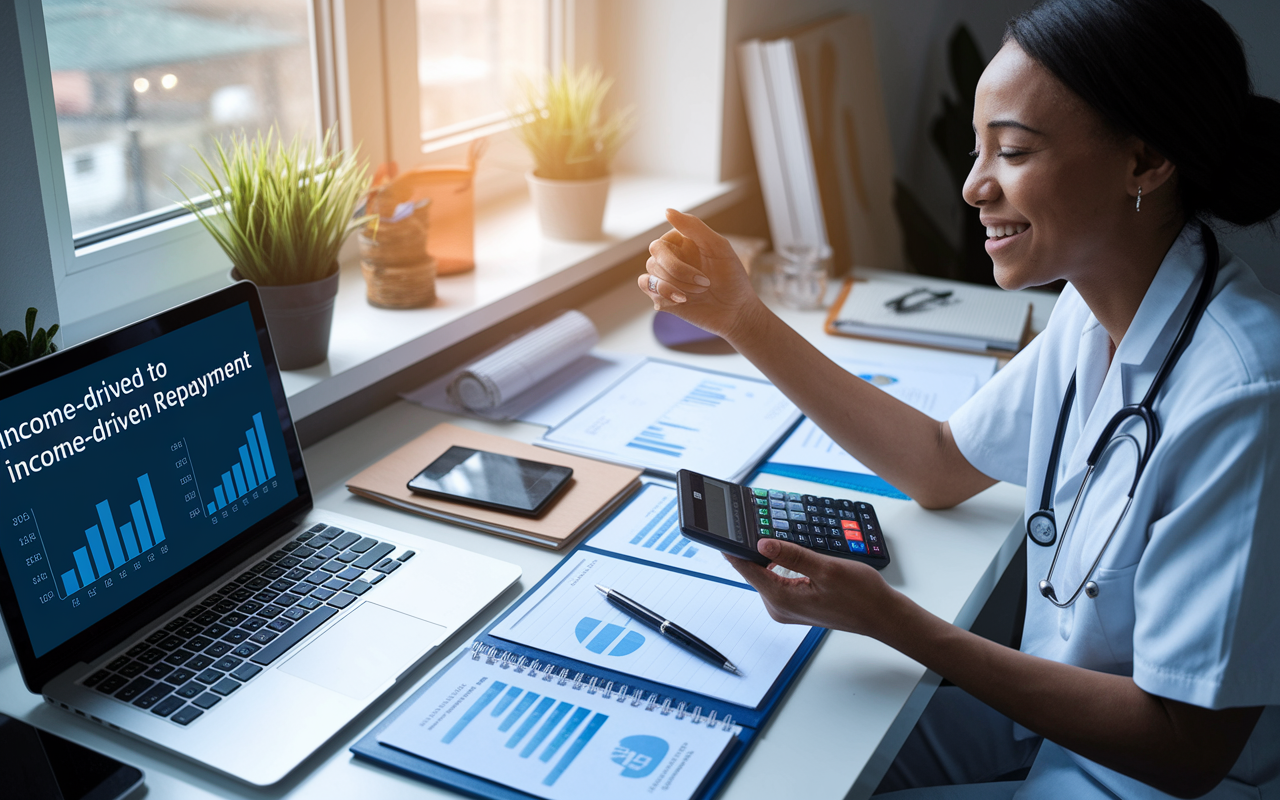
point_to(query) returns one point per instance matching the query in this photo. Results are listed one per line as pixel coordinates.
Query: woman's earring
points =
(1139, 205)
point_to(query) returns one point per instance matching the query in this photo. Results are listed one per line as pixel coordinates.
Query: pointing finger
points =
(700, 233)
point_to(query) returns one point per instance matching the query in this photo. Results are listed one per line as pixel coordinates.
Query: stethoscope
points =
(1041, 525)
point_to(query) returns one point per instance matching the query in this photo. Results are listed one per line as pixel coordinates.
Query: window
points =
(138, 84)
(471, 57)
(121, 91)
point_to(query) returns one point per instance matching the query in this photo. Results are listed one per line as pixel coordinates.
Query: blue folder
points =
(750, 719)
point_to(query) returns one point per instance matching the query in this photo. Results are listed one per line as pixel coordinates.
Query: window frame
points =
(147, 263)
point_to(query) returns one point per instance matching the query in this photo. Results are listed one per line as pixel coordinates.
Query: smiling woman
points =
(1110, 135)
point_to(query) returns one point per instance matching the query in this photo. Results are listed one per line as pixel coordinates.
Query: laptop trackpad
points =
(369, 647)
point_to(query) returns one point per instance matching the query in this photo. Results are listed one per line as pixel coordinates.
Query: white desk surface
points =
(854, 691)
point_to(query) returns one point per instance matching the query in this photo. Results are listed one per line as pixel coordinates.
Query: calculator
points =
(732, 518)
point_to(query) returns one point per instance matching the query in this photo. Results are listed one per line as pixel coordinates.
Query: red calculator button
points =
(853, 536)
(850, 525)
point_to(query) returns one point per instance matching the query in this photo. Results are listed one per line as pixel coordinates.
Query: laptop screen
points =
(122, 473)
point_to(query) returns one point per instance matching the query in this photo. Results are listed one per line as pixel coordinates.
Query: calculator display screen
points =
(723, 515)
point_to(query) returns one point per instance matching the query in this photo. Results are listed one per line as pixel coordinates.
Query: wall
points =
(1258, 24)
(911, 40)
(26, 272)
(667, 60)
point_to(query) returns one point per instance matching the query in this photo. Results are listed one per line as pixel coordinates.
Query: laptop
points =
(165, 573)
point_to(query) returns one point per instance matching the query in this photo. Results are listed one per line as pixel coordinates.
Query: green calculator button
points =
(765, 522)
(761, 492)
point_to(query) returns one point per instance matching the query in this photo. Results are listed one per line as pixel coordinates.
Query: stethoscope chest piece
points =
(1042, 528)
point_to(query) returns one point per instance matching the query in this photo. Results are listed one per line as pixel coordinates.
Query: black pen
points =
(668, 629)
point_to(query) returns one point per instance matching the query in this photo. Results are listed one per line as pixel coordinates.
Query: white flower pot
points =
(570, 209)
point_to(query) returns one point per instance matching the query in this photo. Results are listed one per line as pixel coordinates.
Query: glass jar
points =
(800, 276)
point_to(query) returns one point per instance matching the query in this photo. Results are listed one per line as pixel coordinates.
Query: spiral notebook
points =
(562, 698)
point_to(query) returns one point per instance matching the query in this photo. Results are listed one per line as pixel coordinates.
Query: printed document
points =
(665, 417)
(937, 385)
(568, 615)
(648, 528)
(548, 402)
(555, 741)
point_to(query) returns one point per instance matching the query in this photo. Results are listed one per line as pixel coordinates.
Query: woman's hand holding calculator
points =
(834, 593)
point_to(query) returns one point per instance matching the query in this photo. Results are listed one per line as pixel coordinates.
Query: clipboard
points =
(588, 677)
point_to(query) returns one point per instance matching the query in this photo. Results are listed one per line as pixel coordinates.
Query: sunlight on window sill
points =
(516, 268)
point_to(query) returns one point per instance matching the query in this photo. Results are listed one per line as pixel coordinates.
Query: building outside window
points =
(142, 86)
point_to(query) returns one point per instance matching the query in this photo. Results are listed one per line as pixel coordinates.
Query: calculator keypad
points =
(847, 528)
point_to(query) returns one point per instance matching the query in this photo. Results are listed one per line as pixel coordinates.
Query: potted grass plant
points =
(281, 211)
(562, 123)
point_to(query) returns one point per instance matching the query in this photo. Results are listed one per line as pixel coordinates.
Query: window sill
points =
(516, 269)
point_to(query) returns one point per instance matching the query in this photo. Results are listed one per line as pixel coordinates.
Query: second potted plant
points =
(572, 143)
(281, 211)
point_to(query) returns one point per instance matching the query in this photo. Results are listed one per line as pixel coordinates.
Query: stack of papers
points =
(937, 384)
(569, 616)
(664, 417)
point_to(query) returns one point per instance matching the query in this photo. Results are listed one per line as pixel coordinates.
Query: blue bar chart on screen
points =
(248, 478)
(120, 474)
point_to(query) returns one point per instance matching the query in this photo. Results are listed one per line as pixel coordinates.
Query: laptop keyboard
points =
(186, 667)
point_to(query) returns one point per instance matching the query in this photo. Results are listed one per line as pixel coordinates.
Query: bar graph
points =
(662, 533)
(666, 417)
(528, 708)
(649, 529)
(253, 469)
(110, 545)
(680, 423)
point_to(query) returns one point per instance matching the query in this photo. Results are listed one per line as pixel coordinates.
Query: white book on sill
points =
(935, 313)
(763, 121)
(783, 76)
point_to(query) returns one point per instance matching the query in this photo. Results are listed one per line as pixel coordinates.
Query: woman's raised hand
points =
(693, 273)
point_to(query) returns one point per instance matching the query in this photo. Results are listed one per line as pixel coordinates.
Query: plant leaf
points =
(38, 346)
(13, 348)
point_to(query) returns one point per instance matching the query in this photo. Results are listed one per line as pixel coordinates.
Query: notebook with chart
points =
(934, 382)
(935, 313)
(664, 417)
(565, 697)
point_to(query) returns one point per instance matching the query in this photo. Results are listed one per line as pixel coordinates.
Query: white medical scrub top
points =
(1187, 603)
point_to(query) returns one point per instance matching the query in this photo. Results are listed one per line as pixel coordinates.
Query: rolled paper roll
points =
(523, 363)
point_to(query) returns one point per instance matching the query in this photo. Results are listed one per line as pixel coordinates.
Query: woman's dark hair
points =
(1172, 73)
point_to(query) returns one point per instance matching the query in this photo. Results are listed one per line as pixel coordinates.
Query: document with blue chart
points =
(122, 473)
(933, 382)
(554, 738)
(665, 417)
(568, 616)
(648, 528)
